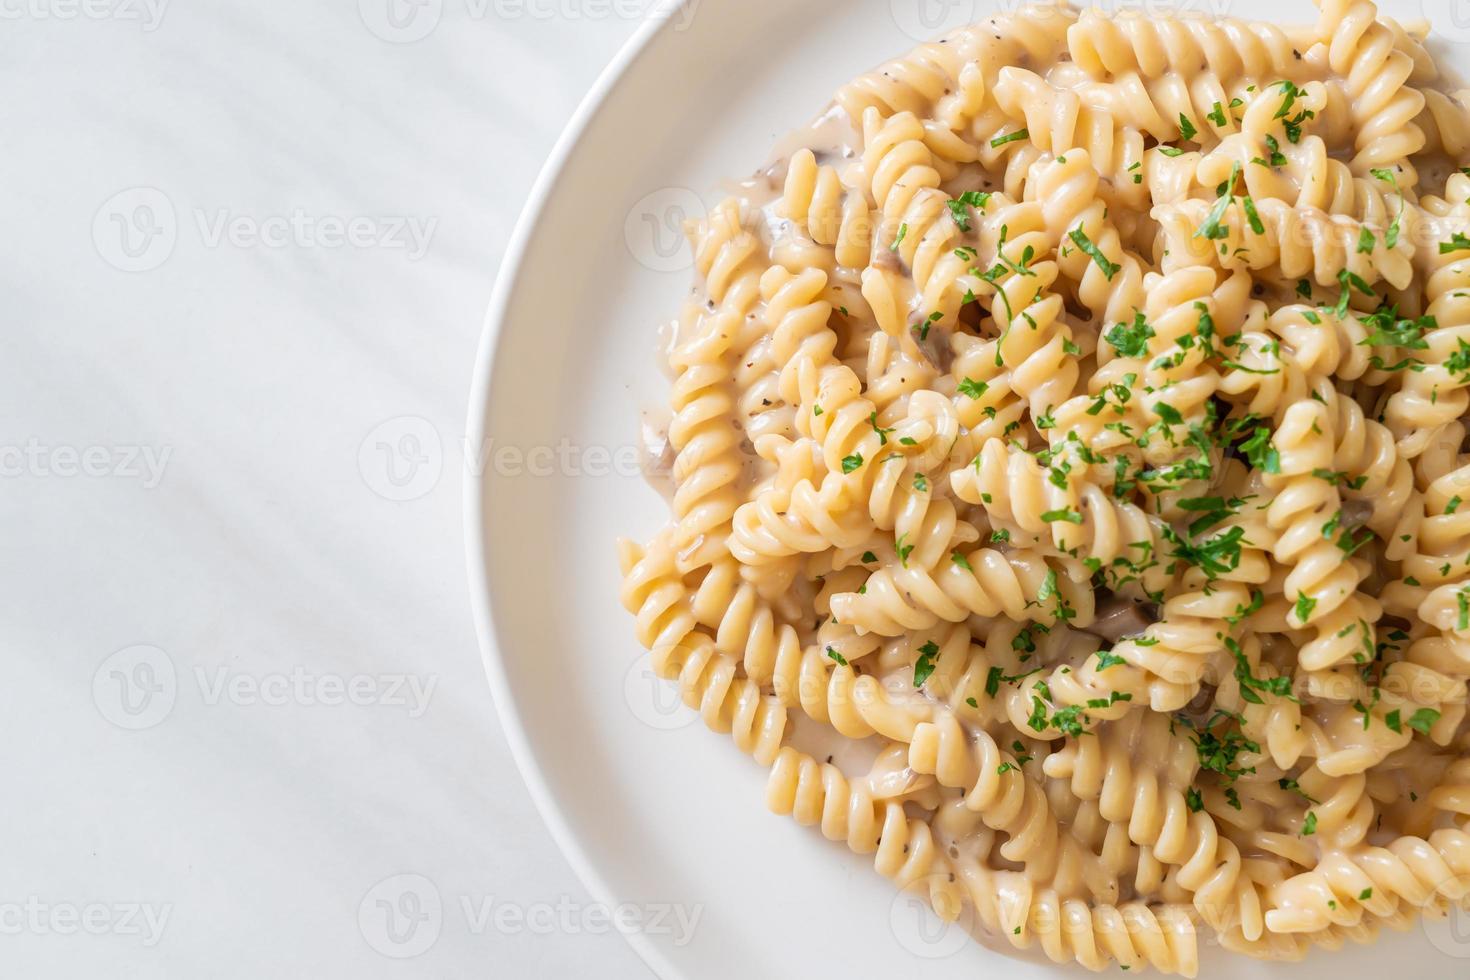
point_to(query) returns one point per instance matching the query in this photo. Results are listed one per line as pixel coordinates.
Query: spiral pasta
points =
(1072, 424)
(1148, 797)
(727, 702)
(812, 793)
(1152, 46)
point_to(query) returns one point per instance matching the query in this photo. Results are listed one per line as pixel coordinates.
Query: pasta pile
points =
(1079, 441)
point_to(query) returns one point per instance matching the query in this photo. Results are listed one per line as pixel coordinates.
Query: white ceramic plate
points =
(649, 807)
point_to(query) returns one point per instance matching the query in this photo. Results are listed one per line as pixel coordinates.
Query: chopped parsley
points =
(1130, 340)
(973, 389)
(959, 208)
(882, 433)
(1304, 606)
(1457, 244)
(1388, 330)
(1250, 684)
(923, 329)
(924, 666)
(1277, 158)
(1080, 239)
(1017, 136)
(1391, 239)
(1424, 720)
(1212, 229)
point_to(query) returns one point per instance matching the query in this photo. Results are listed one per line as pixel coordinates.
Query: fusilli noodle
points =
(1076, 423)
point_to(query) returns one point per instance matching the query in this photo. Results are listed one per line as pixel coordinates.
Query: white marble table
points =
(247, 248)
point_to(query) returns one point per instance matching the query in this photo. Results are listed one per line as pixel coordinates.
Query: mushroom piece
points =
(1203, 700)
(1118, 617)
(656, 458)
(1356, 513)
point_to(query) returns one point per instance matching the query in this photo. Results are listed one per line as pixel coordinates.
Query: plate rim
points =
(475, 480)
(474, 483)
